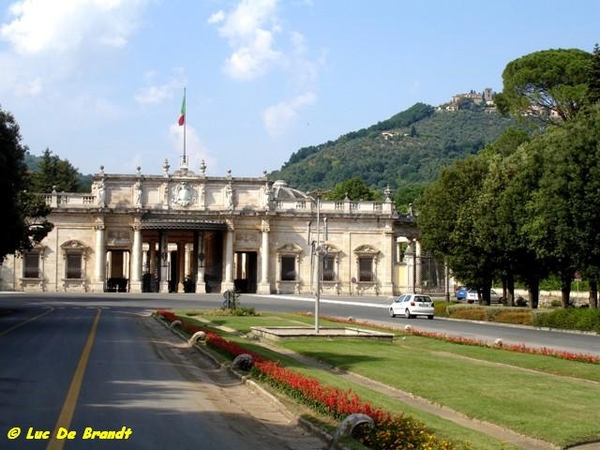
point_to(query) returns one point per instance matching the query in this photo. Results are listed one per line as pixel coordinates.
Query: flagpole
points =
(184, 126)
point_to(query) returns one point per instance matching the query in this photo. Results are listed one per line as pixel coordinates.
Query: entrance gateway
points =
(189, 232)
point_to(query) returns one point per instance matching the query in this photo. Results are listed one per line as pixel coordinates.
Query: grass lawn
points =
(539, 396)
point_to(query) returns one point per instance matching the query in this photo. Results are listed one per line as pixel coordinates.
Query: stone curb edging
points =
(305, 424)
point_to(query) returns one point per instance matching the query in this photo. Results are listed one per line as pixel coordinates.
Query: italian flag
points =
(181, 120)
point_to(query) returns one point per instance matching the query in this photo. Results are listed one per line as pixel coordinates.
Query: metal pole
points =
(414, 283)
(447, 274)
(318, 251)
(185, 119)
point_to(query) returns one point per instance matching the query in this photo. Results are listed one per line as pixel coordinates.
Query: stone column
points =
(264, 287)
(100, 261)
(387, 259)
(181, 266)
(418, 266)
(228, 281)
(200, 256)
(135, 282)
(164, 262)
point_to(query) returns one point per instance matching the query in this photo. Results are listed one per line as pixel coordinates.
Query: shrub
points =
(441, 308)
(582, 319)
(402, 432)
(520, 302)
(508, 315)
(467, 312)
(232, 312)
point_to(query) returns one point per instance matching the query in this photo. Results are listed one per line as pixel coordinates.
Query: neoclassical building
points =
(183, 231)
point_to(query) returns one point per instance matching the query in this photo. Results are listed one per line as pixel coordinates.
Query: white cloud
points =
(304, 71)
(42, 26)
(217, 17)
(156, 93)
(278, 117)
(252, 60)
(195, 150)
(250, 29)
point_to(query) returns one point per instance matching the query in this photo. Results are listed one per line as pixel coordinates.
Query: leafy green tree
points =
(55, 173)
(546, 84)
(511, 180)
(567, 205)
(447, 213)
(594, 77)
(24, 214)
(407, 195)
(353, 189)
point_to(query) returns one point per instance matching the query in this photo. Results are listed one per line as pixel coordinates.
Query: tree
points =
(55, 173)
(407, 195)
(567, 205)
(546, 84)
(24, 221)
(594, 77)
(354, 189)
(512, 180)
(447, 213)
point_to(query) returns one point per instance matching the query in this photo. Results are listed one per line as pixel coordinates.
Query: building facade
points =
(188, 232)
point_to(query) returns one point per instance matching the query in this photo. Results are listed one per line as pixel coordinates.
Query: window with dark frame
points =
(74, 265)
(288, 268)
(328, 268)
(31, 264)
(365, 267)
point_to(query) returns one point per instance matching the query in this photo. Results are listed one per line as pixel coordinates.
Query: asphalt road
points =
(376, 310)
(90, 375)
(96, 366)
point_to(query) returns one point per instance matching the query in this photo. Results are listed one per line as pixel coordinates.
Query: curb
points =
(244, 379)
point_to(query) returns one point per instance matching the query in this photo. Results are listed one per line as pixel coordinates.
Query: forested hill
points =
(409, 148)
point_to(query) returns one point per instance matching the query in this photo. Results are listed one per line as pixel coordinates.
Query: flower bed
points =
(390, 432)
(520, 348)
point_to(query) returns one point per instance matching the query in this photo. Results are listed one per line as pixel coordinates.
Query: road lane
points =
(63, 424)
(37, 362)
(140, 380)
(375, 310)
(142, 377)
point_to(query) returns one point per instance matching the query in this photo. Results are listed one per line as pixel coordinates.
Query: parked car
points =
(461, 293)
(473, 296)
(411, 305)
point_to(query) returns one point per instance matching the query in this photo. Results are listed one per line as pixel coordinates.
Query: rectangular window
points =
(74, 266)
(288, 268)
(328, 268)
(31, 265)
(365, 267)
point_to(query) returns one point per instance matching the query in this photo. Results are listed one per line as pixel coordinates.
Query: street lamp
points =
(414, 274)
(319, 250)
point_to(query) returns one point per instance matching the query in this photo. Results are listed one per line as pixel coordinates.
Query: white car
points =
(473, 296)
(411, 305)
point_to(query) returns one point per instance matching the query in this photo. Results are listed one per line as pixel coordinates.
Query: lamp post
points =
(319, 250)
(414, 274)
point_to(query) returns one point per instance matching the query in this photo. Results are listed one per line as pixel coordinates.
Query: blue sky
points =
(100, 82)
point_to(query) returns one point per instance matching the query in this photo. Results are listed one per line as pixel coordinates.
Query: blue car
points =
(461, 293)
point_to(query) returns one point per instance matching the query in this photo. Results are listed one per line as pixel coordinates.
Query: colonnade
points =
(153, 255)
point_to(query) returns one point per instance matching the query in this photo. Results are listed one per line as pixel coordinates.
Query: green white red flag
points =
(181, 120)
